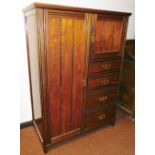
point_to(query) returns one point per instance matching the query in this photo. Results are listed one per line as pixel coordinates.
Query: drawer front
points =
(105, 66)
(100, 98)
(100, 82)
(99, 118)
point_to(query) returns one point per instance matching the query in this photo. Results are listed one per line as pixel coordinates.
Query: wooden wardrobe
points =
(75, 58)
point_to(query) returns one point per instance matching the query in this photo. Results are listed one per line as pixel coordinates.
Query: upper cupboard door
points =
(66, 71)
(106, 35)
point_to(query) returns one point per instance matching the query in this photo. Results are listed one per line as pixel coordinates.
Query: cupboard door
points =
(106, 35)
(66, 71)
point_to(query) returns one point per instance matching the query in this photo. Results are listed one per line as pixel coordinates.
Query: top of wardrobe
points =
(67, 8)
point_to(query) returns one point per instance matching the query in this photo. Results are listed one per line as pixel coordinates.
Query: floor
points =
(110, 140)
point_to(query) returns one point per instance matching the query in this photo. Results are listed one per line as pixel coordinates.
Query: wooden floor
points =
(110, 140)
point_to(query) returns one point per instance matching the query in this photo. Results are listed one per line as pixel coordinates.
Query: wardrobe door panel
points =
(66, 71)
(78, 71)
(54, 80)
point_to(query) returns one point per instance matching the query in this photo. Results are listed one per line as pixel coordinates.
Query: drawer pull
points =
(103, 99)
(106, 66)
(101, 117)
(104, 82)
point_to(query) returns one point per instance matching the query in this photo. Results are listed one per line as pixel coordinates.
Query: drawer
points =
(100, 98)
(111, 65)
(100, 118)
(100, 82)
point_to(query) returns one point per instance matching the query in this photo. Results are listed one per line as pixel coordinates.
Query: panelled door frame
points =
(66, 13)
(94, 18)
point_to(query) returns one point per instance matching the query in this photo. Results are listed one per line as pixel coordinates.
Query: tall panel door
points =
(66, 71)
(106, 35)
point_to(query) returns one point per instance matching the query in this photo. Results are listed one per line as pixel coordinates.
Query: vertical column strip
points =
(71, 104)
(46, 126)
(60, 123)
(112, 37)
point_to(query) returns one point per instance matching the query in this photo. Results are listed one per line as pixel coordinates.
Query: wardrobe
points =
(75, 58)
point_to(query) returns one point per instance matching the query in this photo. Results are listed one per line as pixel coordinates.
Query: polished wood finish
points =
(66, 71)
(75, 60)
(106, 35)
(96, 119)
(101, 97)
(104, 80)
(110, 65)
(65, 136)
(75, 9)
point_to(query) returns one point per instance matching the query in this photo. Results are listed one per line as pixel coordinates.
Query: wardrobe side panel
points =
(34, 73)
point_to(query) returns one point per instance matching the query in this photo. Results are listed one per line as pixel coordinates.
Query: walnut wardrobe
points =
(75, 58)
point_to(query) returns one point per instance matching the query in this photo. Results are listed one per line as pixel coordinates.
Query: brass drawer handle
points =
(103, 99)
(101, 117)
(106, 66)
(104, 82)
